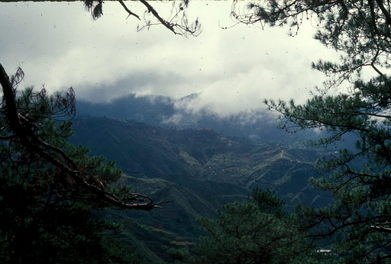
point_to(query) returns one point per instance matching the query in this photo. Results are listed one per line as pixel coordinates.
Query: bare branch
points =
(128, 10)
(381, 228)
(384, 11)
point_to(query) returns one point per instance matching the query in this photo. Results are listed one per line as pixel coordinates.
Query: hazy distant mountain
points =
(199, 161)
(167, 112)
(198, 169)
(151, 110)
(197, 154)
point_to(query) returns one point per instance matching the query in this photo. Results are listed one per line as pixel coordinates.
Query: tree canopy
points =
(51, 192)
(355, 100)
(56, 179)
(259, 230)
(36, 158)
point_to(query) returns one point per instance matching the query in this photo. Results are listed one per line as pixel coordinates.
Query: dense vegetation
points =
(256, 231)
(198, 170)
(360, 31)
(52, 195)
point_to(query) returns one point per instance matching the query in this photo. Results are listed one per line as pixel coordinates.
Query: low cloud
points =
(232, 71)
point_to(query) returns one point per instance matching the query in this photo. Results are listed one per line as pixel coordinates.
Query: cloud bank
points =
(59, 45)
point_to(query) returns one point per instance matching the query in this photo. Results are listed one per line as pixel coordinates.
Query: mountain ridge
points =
(199, 170)
(167, 112)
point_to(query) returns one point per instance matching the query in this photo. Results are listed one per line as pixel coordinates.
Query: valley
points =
(197, 171)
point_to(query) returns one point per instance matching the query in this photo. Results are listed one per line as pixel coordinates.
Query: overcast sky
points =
(59, 45)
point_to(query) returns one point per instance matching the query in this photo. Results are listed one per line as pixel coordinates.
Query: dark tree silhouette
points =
(23, 125)
(360, 31)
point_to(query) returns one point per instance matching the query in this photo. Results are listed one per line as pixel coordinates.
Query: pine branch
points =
(22, 129)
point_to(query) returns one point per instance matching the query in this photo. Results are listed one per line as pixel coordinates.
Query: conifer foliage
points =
(360, 31)
(51, 192)
(256, 231)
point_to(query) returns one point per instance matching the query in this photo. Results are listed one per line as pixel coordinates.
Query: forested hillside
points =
(198, 155)
(198, 171)
(205, 181)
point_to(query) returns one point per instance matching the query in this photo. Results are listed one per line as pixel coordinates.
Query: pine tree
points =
(52, 193)
(360, 31)
(256, 231)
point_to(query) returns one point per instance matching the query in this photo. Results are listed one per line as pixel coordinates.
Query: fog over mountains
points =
(198, 160)
(258, 125)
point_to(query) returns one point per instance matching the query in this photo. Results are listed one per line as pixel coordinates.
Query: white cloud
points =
(233, 70)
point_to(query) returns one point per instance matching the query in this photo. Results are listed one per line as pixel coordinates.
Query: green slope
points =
(198, 170)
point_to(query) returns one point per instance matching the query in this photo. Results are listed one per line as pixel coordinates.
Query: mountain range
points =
(197, 170)
(257, 125)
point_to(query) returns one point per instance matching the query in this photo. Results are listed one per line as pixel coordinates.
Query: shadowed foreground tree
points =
(23, 119)
(360, 218)
(51, 192)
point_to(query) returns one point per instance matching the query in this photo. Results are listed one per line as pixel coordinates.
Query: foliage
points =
(256, 231)
(354, 101)
(47, 216)
(359, 30)
(50, 190)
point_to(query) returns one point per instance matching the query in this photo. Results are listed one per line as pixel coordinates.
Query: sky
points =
(232, 70)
